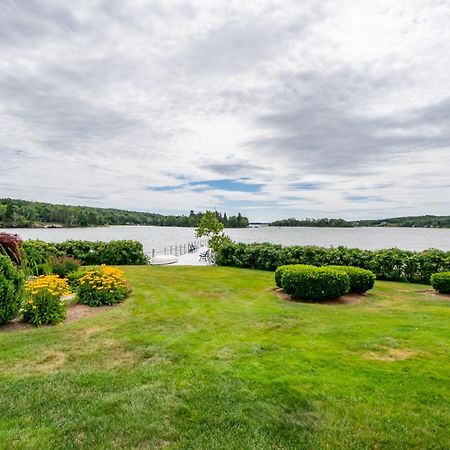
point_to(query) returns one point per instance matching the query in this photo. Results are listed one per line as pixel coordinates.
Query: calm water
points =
(160, 237)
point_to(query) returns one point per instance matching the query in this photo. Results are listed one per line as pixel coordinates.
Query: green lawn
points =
(210, 358)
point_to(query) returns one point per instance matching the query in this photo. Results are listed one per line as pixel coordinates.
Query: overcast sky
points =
(272, 108)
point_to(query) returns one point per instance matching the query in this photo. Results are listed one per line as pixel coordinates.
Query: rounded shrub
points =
(441, 282)
(43, 304)
(315, 283)
(102, 285)
(283, 269)
(361, 280)
(11, 289)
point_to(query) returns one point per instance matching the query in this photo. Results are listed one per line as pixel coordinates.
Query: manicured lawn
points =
(211, 358)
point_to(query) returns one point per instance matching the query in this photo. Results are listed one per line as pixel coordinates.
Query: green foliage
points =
(341, 223)
(22, 213)
(212, 228)
(125, 252)
(361, 280)
(281, 270)
(102, 286)
(388, 264)
(63, 265)
(412, 221)
(37, 254)
(209, 225)
(314, 283)
(441, 282)
(88, 252)
(11, 289)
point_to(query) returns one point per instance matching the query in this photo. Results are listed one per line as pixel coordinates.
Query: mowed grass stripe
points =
(211, 358)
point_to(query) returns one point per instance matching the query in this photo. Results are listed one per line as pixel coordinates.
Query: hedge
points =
(390, 264)
(314, 283)
(441, 282)
(121, 252)
(361, 280)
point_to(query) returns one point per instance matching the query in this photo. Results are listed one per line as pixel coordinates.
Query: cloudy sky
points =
(272, 108)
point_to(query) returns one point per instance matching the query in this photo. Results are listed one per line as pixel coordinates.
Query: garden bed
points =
(74, 312)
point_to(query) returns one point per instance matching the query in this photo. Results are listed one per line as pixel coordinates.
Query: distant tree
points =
(211, 227)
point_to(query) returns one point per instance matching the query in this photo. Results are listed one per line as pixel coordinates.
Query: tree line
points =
(427, 221)
(15, 213)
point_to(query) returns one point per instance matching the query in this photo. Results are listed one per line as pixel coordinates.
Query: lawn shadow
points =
(435, 294)
(351, 298)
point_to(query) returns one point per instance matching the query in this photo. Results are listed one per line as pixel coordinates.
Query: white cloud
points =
(101, 100)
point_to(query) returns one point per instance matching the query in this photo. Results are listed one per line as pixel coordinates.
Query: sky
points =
(275, 109)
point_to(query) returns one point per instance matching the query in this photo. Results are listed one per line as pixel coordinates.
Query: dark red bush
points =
(11, 245)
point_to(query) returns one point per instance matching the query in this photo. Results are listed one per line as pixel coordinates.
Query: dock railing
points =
(178, 250)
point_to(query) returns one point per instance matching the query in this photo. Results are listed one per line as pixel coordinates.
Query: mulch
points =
(74, 312)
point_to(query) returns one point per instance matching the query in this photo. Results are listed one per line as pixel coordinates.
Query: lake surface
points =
(160, 237)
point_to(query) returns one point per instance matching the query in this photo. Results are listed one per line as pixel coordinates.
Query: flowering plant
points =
(102, 285)
(43, 304)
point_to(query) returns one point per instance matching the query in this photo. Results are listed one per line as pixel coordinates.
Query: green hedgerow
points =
(11, 289)
(441, 282)
(315, 283)
(361, 280)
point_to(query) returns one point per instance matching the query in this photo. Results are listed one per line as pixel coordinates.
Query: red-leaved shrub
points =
(11, 245)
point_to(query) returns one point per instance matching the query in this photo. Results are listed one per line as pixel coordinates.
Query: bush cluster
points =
(42, 304)
(11, 288)
(124, 252)
(389, 264)
(102, 285)
(44, 258)
(361, 280)
(441, 282)
(281, 270)
(314, 283)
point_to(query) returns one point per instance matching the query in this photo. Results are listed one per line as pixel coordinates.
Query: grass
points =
(210, 358)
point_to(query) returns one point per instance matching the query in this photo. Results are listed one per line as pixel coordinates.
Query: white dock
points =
(192, 259)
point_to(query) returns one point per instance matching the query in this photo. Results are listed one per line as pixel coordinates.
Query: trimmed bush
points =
(388, 264)
(43, 304)
(102, 285)
(11, 289)
(283, 269)
(441, 282)
(315, 283)
(361, 280)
